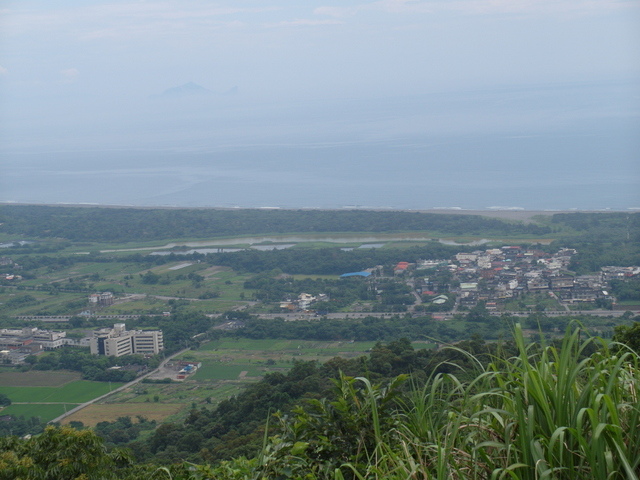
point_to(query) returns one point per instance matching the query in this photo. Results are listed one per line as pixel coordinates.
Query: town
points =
(509, 279)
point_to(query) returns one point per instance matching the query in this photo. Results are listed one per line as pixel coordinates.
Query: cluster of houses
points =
(103, 299)
(7, 278)
(494, 276)
(500, 274)
(303, 302)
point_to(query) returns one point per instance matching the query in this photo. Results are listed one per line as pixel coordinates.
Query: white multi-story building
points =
(305, 300)
(148, 342)
(119, 341)
(50, 340)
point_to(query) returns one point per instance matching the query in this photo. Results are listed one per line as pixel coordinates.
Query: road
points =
(311, 316)
(119, 389)
(562, 313)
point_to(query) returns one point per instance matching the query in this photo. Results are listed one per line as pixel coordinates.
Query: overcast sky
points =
(311, 48)
(77, 73)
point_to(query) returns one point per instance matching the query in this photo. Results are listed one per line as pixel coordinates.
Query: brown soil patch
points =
(94, 414)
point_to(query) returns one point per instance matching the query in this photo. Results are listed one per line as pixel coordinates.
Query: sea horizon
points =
(539, 147)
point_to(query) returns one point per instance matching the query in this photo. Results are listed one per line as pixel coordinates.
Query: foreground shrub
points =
(565, 412)
(549, 412)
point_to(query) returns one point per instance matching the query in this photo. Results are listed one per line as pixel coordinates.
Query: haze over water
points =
(372, 105)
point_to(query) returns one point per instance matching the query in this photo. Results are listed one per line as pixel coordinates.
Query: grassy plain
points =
(46, 412)
(35, 395)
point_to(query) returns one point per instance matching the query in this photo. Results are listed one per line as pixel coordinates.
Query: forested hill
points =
(138, 224)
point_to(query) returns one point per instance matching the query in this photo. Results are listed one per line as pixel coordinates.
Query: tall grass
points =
(547, 413)
(556, 412)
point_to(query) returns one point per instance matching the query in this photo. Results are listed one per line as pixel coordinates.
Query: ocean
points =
(553, 148)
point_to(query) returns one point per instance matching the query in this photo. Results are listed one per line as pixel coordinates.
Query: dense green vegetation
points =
(360, 329)
(129, 224)
(545, 412)
(607, 239)
(122, 430)
(20, 426)
(600, 227)
(569, 410)
(594, 255)
(340, 293)
(59, 454)
(92, 367)
(328, 261)
(626, 290)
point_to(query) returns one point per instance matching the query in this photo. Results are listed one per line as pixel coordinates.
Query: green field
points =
(45, 412)
(75, 392)
(36, 378)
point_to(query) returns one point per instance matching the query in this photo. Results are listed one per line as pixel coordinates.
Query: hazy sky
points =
(78, 75)
(311, 48)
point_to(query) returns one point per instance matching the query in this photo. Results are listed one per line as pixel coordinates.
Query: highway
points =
(312, 316)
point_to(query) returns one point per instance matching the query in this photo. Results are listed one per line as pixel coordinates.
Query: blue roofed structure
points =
(355, 274)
